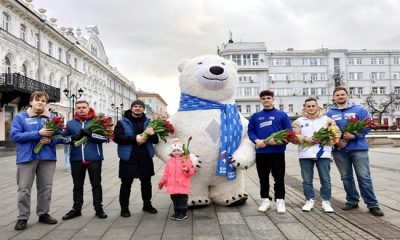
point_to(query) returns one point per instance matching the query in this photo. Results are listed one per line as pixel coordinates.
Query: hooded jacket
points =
(25, 133)
(92, 150)
(305, 126)
(340, 116)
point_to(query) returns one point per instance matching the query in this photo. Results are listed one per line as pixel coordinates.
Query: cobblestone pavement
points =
(213, 222)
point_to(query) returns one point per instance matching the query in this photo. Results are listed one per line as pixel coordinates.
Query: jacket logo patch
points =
(349, 115)
(31, 121)
(337, 117)
(264, 124)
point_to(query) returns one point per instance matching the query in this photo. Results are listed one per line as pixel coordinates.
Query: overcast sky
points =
(147, 39)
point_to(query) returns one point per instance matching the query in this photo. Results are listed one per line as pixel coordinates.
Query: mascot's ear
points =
(182, 64)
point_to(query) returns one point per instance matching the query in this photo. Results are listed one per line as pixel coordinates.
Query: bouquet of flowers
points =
(57, 125)
(186, 152)
(161, 126)
(356, 126)
(282, 136)
(325, 136)
(100, 126)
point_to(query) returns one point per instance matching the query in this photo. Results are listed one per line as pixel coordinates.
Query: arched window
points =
(51, 77)
(24, 70)
(8, 64)
(6, 22)
(23, 32)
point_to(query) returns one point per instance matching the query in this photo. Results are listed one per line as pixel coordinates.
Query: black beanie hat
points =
(138, 102)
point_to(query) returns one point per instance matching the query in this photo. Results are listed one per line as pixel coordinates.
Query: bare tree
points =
(379, 104)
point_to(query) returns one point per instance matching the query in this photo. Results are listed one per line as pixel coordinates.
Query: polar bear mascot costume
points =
(220, 147)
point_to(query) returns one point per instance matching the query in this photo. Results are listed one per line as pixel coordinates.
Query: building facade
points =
(155, 104)
(67, 63)
(295, 75)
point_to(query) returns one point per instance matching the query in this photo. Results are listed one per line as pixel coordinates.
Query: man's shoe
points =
(308, 206)
(326, 205)
(349, 206)
(101, 214)
(21, 224)
(180, 217)
(46, 218)
(280, 206)
(72, 214)
(150, 209)
(125, 212)
(376, 211)
(264, 205)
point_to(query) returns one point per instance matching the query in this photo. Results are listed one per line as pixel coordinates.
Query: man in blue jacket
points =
(352, 152)
(27, 131)
(270, 157)
(88, 156)
(136, 156)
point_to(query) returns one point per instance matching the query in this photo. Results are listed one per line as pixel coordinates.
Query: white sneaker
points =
(280, 206)
(264, 205)
(326, 205)
(308, 206)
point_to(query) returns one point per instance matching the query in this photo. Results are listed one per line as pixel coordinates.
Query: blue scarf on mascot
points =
(231, 130)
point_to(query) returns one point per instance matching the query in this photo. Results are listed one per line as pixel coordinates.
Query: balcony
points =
(14, 85)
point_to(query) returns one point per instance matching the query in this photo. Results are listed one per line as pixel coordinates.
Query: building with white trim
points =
(36, 54)
(295, 75)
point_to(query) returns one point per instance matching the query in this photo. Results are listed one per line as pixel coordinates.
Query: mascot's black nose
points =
(216, 70)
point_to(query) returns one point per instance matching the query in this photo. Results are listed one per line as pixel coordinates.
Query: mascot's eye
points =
(200, 63)
(222, 63)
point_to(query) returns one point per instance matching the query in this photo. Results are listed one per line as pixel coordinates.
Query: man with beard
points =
(352, 152)
(136, 156)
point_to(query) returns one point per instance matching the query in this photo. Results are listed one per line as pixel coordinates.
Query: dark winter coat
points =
(140, 161)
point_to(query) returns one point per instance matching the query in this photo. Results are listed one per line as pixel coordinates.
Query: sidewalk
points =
(213, 222)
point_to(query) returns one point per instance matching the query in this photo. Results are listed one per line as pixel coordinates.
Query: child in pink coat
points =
(177, 173)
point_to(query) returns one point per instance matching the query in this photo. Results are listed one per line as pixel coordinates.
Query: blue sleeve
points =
(17, 132)
(251, 129)
(363, 114)
(286, 122)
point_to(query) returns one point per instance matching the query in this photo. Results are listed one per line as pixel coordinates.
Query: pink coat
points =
(175, 179)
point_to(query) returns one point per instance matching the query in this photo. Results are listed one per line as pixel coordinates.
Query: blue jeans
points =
(307, 172)
(345, 161)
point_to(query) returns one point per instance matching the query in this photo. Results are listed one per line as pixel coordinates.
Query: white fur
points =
(197, 80)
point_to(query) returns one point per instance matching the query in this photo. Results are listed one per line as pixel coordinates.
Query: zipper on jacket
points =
(83, 145)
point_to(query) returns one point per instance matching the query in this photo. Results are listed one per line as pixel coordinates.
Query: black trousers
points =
(125, 191)
(274, 163)
(180, 202)
(78, 172)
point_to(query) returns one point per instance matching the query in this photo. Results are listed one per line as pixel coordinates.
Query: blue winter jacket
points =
(125, 150)
(92, 150)
(25, 133)
(341, 116)
(264, 123)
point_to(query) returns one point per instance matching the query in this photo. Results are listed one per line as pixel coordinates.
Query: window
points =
(75, 63)
(6, 22)
(351, 61)
(246, 59)
(24, 70)
(240, 108)
(281, 107)
(314, 61)
(355, 76)
(377, 75)
(258, 108)
(396, 60)
(290, 108)
(373, 61)
(22, 33)
(254, 60)
(396, 75)
(280, 62)
(8, 65)
(68, 59)
(93, 49)
(315, 91)
(60, 54)
(381, 61)
(50, 45)
(378, 90)
(247, 91)
(355, 91)
(354, 61)
(237, 59)
(397, 90)
(248, 108)
(358, 61)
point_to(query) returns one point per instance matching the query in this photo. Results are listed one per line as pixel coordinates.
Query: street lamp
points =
(116, 108)
(75, 96)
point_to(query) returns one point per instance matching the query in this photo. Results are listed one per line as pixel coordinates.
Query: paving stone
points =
(237, 231)
(118, 234)
(208, 237)
(295, 231)
(230, 218)
(60, 234)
